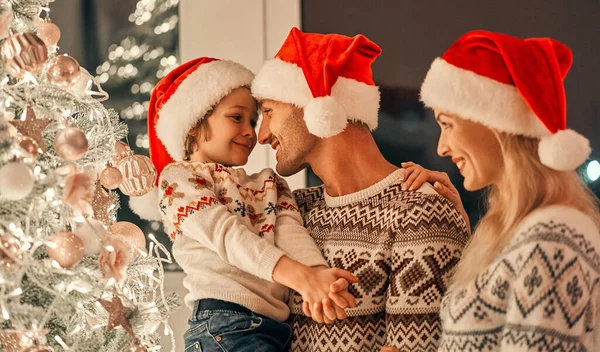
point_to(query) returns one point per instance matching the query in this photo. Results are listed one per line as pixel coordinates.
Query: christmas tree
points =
(142, 58)
(71, 276)
(133, 66)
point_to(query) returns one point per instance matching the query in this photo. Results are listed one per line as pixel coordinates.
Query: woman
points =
(529, 278)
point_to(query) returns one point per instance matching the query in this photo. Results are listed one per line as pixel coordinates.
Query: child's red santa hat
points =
(329, 75)
(510, 85)
(179, 100)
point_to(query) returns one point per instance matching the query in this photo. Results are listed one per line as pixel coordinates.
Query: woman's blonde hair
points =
(528, 185)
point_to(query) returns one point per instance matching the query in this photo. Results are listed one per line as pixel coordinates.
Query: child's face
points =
(231, 131)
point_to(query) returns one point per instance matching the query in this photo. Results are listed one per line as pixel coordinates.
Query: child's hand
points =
(332, 308)
(315, 293)
(323, 312)
(339, 294)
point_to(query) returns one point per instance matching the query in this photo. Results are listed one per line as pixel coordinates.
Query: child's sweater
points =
(229, 230)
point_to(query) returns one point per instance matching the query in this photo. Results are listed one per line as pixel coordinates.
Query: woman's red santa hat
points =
(511, 85)
(179, 100)
(329, 75)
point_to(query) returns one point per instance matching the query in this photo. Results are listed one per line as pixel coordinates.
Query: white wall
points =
(245, 31)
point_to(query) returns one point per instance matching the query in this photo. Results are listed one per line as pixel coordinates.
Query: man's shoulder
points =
(308, 197)
(426, 210)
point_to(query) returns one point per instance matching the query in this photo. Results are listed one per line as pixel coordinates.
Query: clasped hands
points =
(325, 294)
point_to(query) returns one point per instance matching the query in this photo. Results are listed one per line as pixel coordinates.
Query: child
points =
(238, 237)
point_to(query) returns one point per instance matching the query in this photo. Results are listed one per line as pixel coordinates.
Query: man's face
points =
(284, 129)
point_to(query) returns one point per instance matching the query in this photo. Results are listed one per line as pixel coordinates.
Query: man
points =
(319, 105)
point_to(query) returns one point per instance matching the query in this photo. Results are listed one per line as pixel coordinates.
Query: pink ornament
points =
(16, 181)
(139, 175)
(79, 193)
(49, 33)
(10, 251)
(22, 53)
(111, 177)
(63, 71)
(132, 234)
(29, 145)
(114, 258)
(71, 143)
(66, 248)
(121, 150)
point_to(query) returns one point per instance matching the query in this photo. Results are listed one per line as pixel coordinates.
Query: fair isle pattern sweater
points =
(229, 230)
(401, 245)
(539, 294)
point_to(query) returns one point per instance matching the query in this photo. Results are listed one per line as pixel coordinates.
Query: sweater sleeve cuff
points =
(267, 263)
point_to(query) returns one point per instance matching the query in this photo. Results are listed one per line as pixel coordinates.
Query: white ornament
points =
(91, 233)
(83, 84)
(152, 322)
(16, 181)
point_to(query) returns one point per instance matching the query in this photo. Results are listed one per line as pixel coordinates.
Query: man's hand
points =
(415, 176)
(341, 299)
(388, 349)
(315, 291)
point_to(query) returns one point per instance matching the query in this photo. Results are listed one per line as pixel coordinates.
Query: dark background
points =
(413, 33)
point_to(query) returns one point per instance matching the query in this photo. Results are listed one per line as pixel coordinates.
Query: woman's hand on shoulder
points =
(416, 175)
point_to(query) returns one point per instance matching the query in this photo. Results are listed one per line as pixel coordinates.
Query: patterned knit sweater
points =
(401, 245)
(539, 294)
(229, 231)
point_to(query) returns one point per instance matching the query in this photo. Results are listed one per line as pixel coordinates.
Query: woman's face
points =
(474, 149)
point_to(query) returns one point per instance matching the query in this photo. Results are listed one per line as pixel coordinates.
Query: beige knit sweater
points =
(229, 230)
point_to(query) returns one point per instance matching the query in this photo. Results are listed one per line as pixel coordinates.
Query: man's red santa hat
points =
(511, 85)
(179, 100)
(329, 75)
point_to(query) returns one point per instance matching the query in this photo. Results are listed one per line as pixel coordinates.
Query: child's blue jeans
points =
(219, 326)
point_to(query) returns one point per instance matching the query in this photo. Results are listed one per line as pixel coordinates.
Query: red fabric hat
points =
(179, 100)
(329, 75)
(511, 85)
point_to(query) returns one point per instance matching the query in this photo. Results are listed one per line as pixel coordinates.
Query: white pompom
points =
(146, 206)
(564, 151)
(325, 117)
(91, 233)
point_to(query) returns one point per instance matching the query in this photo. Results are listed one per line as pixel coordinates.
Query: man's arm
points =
(427, 245)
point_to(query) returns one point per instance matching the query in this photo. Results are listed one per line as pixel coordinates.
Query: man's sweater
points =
(401, 245)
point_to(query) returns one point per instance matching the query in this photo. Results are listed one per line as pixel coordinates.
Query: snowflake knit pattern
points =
(402, 246)
(539, 294)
